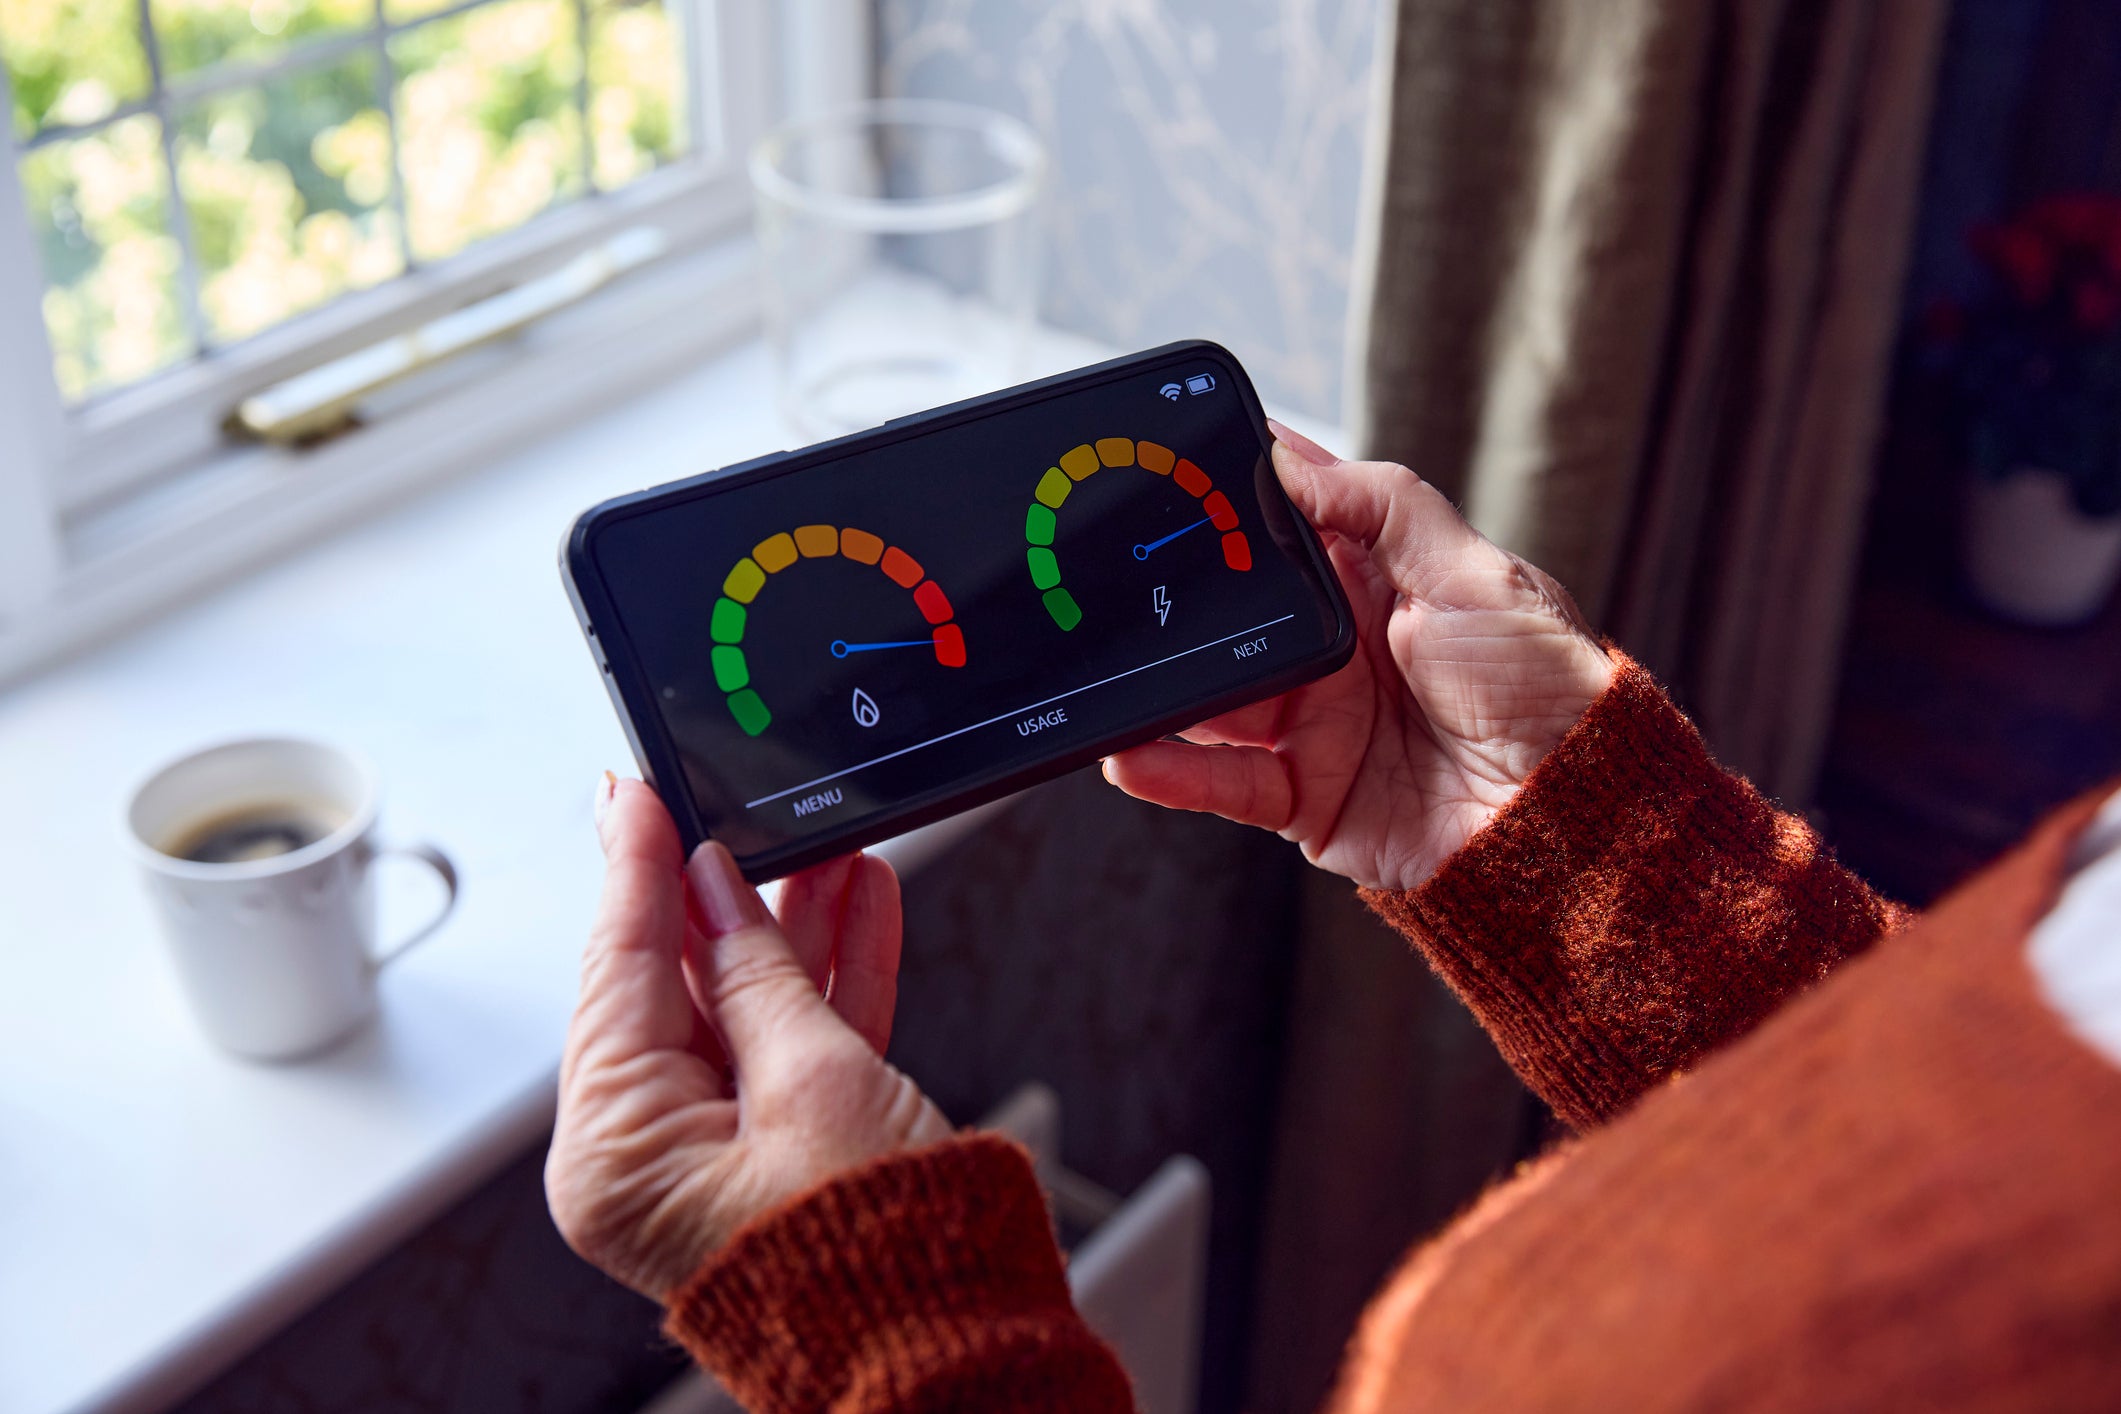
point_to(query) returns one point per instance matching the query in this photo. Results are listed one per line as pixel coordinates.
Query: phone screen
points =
(836, 639)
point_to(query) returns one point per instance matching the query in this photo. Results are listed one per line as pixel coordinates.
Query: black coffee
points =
(254, 832)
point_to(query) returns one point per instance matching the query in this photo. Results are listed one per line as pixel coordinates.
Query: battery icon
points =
(1200, 383)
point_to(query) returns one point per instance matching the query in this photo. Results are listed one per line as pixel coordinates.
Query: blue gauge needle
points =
(1142, 552)
(841, 647)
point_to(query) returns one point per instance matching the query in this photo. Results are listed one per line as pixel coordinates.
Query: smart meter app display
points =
(841, 638)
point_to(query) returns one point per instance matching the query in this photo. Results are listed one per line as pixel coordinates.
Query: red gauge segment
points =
(950, 646)
(932, 602)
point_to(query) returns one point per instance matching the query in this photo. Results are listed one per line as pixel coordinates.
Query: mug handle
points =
(446, 871)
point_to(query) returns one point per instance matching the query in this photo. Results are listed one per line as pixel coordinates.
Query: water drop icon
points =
(865, 709)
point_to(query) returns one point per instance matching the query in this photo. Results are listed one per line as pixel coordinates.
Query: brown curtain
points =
(1629, 279)
(1629, 286)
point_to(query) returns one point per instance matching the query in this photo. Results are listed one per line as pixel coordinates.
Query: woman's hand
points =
(707, 1078)
(1472, 665)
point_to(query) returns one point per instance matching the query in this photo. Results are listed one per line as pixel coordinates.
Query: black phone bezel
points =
(643, 723)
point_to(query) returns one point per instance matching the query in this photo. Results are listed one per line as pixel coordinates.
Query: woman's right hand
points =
(1471, 665)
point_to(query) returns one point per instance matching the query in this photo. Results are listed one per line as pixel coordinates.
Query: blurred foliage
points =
(488, 120)
(636, 90)
(288, 182)
(288, 188)
(71, 61)
(100, 205)
(196, 33)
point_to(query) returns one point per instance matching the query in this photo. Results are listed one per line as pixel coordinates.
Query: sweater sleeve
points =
(925, 1281)
(1632, 908)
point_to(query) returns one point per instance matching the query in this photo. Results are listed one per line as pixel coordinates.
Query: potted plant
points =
(2036, 369)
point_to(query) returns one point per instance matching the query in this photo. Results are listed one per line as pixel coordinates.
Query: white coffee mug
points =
(278, 955)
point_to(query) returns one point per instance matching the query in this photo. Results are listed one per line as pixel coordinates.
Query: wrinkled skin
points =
(1472, 664)
(707, 1078)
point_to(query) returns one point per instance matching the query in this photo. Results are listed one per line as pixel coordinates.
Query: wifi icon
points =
(1171, 391)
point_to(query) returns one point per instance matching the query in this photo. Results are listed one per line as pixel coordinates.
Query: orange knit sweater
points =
(1901, 1189)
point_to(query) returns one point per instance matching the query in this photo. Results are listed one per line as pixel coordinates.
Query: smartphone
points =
(818, 649)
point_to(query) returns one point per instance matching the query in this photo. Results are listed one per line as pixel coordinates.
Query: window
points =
(209, 197)
(197, 171)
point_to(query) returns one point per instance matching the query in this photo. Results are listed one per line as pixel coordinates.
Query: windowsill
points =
(241, 507)
(165, 1207)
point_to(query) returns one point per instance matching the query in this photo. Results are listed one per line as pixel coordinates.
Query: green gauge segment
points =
(776, 553)
(1041, 521)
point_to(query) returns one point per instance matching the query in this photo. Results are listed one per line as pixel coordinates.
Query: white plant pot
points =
(2031, 555)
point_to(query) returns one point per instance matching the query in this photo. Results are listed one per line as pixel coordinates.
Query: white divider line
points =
(1013, 712)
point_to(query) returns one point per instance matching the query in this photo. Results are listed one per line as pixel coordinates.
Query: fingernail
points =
(1105, 766)
(606, 789)
(726, 902)
(1303, 446)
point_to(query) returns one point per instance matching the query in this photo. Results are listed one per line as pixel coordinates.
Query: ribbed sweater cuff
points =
(1632, 908)
(924, 1270)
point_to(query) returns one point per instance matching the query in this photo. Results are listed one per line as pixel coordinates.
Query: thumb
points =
(1351, 499)
(1406, 526)
(757, 992)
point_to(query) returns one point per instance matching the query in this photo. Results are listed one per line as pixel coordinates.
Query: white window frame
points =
(112, 510)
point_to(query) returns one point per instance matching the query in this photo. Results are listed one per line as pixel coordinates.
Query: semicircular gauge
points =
(753, 574)
(1042, 520)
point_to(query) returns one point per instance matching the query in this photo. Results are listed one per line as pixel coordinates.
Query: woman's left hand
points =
(707, 1078)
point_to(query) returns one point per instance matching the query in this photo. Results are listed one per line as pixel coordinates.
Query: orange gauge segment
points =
(860, 546)
(901, 568)
(1079, 462)
(775, 553)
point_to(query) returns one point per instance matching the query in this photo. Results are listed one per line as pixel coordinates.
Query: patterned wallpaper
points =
(1207, 161)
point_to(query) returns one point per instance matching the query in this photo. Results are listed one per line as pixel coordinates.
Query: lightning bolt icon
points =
(1161, 602)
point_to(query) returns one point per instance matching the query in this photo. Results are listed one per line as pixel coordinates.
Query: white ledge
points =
(163, 1207)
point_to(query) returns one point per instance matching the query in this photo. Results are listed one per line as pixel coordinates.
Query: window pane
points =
(70, 61)
(288, 190)
(100, 205)
(487, 116)
(195, 33)
(636, 88)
